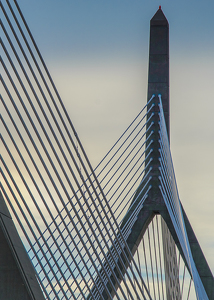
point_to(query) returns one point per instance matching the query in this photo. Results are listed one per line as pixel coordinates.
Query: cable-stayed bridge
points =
(118, 231)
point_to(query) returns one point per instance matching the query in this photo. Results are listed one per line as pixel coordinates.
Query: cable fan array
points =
(170, 195)
(69, 228)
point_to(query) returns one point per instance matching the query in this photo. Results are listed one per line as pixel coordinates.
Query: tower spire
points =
(158, 77)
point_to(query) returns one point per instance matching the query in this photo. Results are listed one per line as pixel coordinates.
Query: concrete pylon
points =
(17, 276)
(158, 83)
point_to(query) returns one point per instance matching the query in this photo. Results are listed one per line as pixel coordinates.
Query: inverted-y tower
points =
(158, 83)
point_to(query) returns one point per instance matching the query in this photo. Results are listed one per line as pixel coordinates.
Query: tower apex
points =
(159, 18)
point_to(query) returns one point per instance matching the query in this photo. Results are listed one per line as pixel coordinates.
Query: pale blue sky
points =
(96, 27)
(97, 53)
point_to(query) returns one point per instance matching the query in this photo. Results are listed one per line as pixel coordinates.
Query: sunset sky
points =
(97, 54)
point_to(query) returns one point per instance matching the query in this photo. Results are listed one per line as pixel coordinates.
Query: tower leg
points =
(17, 276)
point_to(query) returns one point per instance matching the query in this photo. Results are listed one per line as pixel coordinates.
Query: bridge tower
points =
(158, 83)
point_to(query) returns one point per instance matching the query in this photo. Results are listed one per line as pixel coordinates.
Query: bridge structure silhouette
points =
(68, 231)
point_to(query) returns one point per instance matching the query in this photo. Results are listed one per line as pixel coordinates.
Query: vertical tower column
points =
(158, 83)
